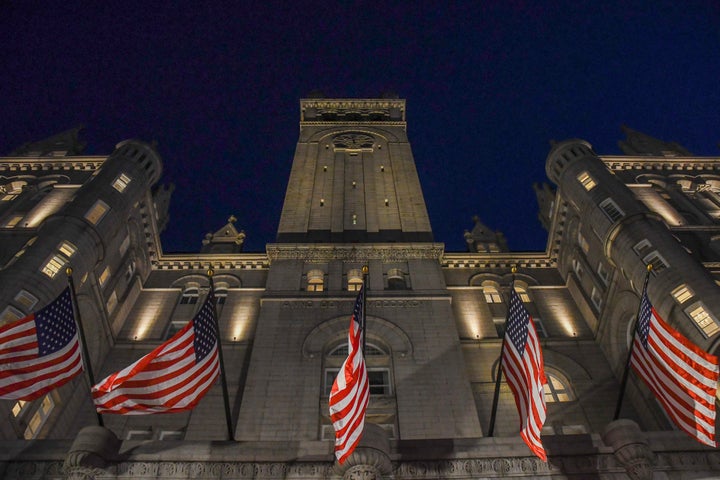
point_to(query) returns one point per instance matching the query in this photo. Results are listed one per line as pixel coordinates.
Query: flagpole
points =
(498, 377)
(365, 270)
(223, 380)
(623, 382)
(83, 342)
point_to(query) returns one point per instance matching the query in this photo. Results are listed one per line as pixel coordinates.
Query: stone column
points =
(371, 458)
(93, 449)
(630, 448)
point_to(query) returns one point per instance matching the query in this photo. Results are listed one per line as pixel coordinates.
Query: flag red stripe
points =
(680, 375)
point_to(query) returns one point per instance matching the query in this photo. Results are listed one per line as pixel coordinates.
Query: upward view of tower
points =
(435, 319)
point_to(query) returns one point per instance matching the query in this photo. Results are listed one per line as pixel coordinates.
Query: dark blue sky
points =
(217, 85)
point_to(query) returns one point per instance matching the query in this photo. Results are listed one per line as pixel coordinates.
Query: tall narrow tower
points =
(353, 178)
(354, 200)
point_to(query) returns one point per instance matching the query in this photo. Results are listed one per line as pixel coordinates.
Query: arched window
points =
(382, 408)
(354, 280)
(491, 292)
(190, 295)
(315, 281)
(396, 279)
(557, 388)
(522, 292)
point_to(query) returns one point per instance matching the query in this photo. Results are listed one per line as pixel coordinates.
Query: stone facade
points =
(434, 317)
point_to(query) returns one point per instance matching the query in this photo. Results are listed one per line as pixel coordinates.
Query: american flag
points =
(351, 390)
(39, 352)
(524, 368)
(681, 376)
(171, 378)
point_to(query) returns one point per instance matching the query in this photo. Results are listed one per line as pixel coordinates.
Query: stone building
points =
(435, 317)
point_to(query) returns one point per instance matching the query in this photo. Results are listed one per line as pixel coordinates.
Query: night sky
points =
(488, 85)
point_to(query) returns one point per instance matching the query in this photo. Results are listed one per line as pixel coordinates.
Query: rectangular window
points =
(112, 302)
(97, 212)
(703, 319)
(586, 180)
(656, 260)
(104, 276)
(642, 247)
(39, 418)
(379, 379)
(18, 407)
(26, 299)
(10, 314)
(584, 245)
(67, 249)
(171, 435)
(611, 210)
(682, 294)
(54, 265)
(577, 267)
(596, 297)
(603, 273)
(121, 182)
(124, 245)
(539, 327)
(13, 220)
(139, 434)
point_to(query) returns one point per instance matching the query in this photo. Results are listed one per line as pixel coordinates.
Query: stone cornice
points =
(237, 261)
(353, 104)
(29, 164)
(704, 463)
(395, 252)
(623, 162)
(498, 260)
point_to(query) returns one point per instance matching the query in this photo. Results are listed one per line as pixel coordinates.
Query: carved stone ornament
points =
(353, 141)
(630, 448)
(322, 254)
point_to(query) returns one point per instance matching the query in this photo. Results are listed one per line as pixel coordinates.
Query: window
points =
(596, 298)
(586, 180)
(703, 319)
(112, 302)
(124, 245)
(656, 260)
(499, 324)
(10, 314)
(175, 326)
(491, 294)
(221, 294)
(190, 296)
(54, 265)
(13, 220)
(121, 182)
(104, 276)
(18, 408)
(682, 294)
(39, 417)
(584, 245)
(611, 210)
(539, 327)
(67, 249)
(522, 293)
(557, 389)
(577, 267)
(171, 435)
(139, 434)
(26, 299)
(396, 279)
(315, 281)
(379, 379)
(603, 273)
(354, 280)
(642, 247)
(97, 212)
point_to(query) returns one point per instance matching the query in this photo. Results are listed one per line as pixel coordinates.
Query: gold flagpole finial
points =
(365, 269)
(514, 269)
(210, 272)
(649, 267)
(69, 271)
